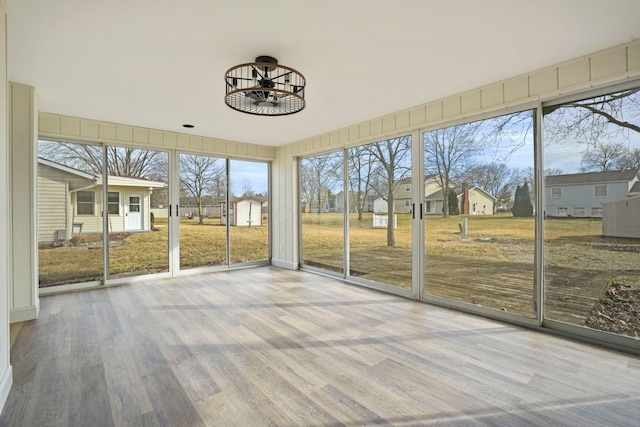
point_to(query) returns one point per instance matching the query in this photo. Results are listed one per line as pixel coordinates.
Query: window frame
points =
(110, 203)
(558, 196)
(92, 203)
(600, 187)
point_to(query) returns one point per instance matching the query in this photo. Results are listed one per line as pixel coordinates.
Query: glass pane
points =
(592, 220)
(203, 189)
(248, 213)
(380, 212)
(70, 239)
(138, 230)
(322, 216)
(479, 200)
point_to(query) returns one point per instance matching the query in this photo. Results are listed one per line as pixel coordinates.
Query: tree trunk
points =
(391, 237)
(445, 195)
(199, 212)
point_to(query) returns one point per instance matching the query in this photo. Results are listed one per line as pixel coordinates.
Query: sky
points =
(255, 174)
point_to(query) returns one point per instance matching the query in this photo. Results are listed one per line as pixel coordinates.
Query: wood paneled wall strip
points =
(59, 127)
(606, 67)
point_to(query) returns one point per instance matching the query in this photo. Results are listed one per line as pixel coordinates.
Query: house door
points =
(133, 212)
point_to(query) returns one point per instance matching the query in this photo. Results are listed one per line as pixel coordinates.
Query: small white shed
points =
(243, 212)
(621, 218)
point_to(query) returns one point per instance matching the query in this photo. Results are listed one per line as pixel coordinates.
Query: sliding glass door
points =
(357, 210)
(380, 212)
(248, 211)
(592, 212)
(70, 232)
(322, 204)
(118, 205)
(136, 206)
(202, 212)
(479, 206)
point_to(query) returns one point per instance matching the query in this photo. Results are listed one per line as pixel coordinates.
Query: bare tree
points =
(361, 172)
(319, 174)
(607, 117)
(630, 159)
(121, 161)
(198, 175)
(603, 157)
(450, 152)
(247, 190)
(393, 159)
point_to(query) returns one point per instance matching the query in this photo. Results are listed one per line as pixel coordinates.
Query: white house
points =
(583, 194)
(480, 202)
(70, 202)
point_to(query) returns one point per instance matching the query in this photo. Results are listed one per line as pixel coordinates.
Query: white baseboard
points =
(5, 386)
(284, 264)
(24, 313)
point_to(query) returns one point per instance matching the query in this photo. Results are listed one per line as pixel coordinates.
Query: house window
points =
(428, 205)
(578, 211)
(556, 192)
(601, 191)
(85, 203)
(113, 203)
(561, 211)
(407, 203)
(407, 188)
(596, 211)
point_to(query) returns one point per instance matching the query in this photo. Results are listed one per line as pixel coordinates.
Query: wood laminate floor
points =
(267, 346)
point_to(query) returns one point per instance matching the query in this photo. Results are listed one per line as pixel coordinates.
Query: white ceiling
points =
(161, 63)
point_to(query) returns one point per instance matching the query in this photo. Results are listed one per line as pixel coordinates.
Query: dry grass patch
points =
(148, 252)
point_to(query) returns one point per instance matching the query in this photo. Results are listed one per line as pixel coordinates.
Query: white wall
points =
(5, 233)
(614, 65)
(284, 214)
(24, 303)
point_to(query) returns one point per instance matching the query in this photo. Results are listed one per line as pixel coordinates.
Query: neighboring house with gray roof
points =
(582, 194)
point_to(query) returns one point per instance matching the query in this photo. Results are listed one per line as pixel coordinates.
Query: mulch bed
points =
(618, 311)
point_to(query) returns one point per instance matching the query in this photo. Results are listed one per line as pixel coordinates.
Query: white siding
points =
(484, 203)
(52, 204)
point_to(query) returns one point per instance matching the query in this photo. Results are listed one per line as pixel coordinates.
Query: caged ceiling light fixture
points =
(264, 88)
